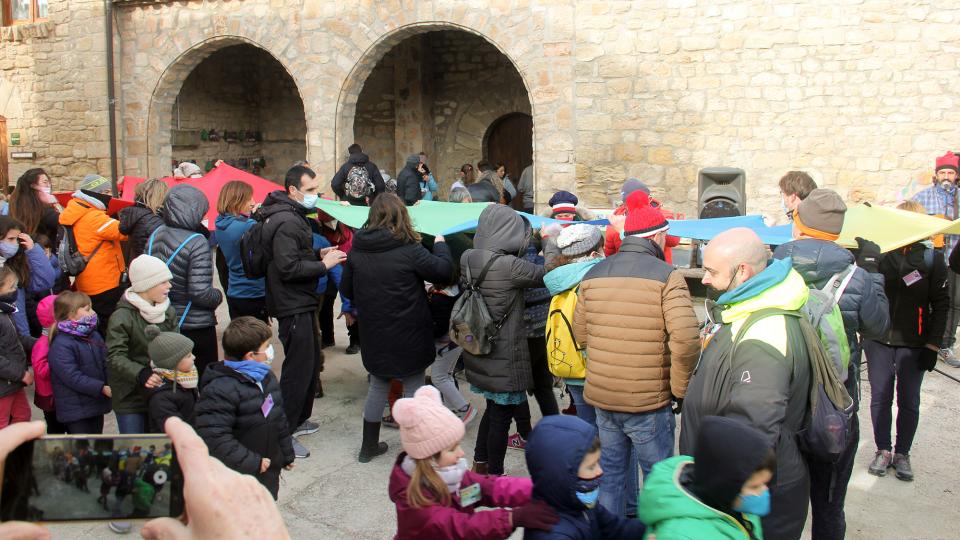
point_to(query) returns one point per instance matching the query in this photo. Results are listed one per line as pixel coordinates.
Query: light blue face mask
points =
(588, 491)
(8, 250)
(589, 499)
(758, 505)
(310, 200)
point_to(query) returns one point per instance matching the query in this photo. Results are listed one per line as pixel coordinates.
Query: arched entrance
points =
(509, 140)
(435, 88)
(229, 99)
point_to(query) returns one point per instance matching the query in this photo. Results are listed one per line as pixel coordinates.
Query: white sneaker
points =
(949, 357)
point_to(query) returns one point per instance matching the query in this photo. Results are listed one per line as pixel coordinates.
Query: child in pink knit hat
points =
(436, 493)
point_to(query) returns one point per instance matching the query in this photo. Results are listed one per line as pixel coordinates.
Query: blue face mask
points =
(758, 505)
(588, 491)
(8, 250)
(310, 200)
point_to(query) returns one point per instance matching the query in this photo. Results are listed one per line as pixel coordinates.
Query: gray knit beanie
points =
(579, 239)
(166, 349)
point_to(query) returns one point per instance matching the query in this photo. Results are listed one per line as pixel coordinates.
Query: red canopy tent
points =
(210, 185)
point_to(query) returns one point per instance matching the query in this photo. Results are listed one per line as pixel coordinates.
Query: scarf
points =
(152, 313)
(451, 476)
(186, 379)
(93, 201)
(80, 328)
(249, 368)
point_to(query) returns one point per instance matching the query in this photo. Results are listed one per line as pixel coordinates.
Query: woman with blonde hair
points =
(140, 220)
(245, 296)
(384, 279)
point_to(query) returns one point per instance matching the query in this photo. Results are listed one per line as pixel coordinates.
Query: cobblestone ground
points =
(331, 496)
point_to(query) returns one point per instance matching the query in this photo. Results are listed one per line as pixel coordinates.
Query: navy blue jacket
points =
(554, 451)
(78, 371)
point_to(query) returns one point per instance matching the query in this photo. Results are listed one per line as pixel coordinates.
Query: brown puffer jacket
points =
(636, 319)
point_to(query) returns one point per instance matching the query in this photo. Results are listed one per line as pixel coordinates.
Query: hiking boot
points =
(516, 442)
(481, 467)
(307, 428)
(949, 358)
(901, 464)
(881, 462)
(467, 414)
(371, 446)
(120, 527)
(389, 421)
(353, 348)
(300, 451)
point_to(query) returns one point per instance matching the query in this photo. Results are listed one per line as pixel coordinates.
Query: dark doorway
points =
(509, 141)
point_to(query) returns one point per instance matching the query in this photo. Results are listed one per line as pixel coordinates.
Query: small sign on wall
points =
(23, 155)
(15, 138)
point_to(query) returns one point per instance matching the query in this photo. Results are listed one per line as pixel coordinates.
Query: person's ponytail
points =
(426, 487)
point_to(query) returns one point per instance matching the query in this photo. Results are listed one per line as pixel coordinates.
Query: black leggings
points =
(94, 424)
(204, 346)
(889, 368)
(542, 388)
(252, 307)
(492, 436)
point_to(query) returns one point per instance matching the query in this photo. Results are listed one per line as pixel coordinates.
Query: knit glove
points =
(535, 515)
(868, 255)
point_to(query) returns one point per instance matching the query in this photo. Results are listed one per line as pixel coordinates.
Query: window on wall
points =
(24, 11)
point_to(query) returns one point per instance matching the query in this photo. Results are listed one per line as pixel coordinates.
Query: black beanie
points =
(728, 452)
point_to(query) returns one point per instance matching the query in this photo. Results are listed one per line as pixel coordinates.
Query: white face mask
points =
(269, 354)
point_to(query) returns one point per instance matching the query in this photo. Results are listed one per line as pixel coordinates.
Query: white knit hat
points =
(147, 272)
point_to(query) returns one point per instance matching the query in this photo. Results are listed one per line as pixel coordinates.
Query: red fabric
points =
(210, 184)
(948, 160)
(454, 521)
(611, 244)
(341, 237)
(115, 204)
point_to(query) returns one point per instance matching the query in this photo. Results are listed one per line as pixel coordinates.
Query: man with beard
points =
(940, 200)
(754, 366)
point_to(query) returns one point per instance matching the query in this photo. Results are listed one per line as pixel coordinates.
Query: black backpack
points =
(256, 250)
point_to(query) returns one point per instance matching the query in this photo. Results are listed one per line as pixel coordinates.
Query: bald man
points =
(754, 365)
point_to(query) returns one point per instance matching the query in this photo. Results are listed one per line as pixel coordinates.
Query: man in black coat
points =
(357, 159)
(291, 292)
(408, 180)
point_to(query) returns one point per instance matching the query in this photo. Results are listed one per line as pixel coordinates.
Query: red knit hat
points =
(643, 220)
(948, 161)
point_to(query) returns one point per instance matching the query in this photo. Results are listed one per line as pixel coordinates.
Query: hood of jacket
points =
(554, 451)
(412, 161)
(225, 221)
(664, 498)
(280, 201)
(399, 480)
(568, 276)
(816, 260)
(136, 213)
(75, 210)
(185, 207)
(778, 286)
(362, 159)
(502, 230)
(375, 240)
(45, 311)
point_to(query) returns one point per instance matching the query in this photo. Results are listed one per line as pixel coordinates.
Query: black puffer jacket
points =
(167, 400)
(408, 181)
(13, 360)
(230, 411)
(863, 304)
(384, 279)
(502, 231)
(138, 222)
(362, 160)
(294, 267)
(918, 311)
(192, 268)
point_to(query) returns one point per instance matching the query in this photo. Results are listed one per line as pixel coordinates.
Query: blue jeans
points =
(648, 434)
(585, 411)
(131, 423)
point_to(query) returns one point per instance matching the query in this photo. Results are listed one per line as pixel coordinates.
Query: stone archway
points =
(162, 108)
(429, 66)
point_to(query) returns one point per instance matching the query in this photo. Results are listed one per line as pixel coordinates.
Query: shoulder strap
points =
(486, 268)
(72, 239)
(757, 316)
(150, 241)
(838, 283)
(182, 244)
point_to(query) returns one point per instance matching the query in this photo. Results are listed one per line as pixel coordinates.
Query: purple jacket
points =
(455, 522)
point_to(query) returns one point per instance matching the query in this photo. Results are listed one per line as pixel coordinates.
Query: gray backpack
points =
(71, 261)
(358, 183)
(471, 325)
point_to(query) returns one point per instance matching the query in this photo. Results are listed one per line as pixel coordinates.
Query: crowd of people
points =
(128, 325)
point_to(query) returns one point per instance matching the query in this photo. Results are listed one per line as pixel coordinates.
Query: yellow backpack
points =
(565, 356)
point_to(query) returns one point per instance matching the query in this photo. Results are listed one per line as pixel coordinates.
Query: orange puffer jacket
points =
(91, 226)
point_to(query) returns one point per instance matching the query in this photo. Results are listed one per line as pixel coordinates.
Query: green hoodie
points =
(670, 512)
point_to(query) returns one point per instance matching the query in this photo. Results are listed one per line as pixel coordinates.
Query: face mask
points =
(309, 200)
(786, 211)
(269, 354)
(758, 505)
(714, 293)
(84, 326)
(46, 190)
(8, 250)
(588, 491)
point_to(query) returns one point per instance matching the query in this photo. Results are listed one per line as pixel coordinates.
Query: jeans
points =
(887, 366)
(377, 394)
(649, 434)
(585, 411)
(491, 447)
(131, 423)
(442, 376)
(953, 313)
(93, 425)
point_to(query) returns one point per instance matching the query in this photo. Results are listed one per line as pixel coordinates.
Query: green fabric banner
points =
(429, 217)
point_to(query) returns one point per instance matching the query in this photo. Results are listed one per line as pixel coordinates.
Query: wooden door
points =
(510, 141)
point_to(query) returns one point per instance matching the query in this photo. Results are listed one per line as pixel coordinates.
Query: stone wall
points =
(376, 117)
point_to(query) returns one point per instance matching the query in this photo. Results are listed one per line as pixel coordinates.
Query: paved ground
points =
(331, 496)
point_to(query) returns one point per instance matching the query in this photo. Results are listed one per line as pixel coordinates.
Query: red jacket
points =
(612, 241)
(455, 522)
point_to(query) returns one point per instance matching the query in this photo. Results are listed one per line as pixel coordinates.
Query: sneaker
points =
(467, 414)
(354, 348)
(901, 464)
(881, 462)
(120, 527)
(389, 421)
(949, 358)
(516, 442)
(306, 428)
(299, 450)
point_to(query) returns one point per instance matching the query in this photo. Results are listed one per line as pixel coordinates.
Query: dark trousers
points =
(353, 332)
(326, 318)
(542, 388)
(54, 426)
(204, 346)
(492, 435)
(888, 367)
(953, 314)
(223, 271)
(104, 304)
(248, 307)
(788, 510)
(94, 424)
(301, 366)
(828, 490)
